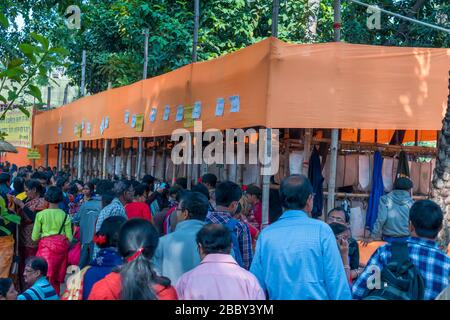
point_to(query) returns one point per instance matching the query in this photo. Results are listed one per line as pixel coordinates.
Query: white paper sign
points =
(127, 117)
(82, 125)
(180, 112)
(88, 129)
(75, 128)
(133, 121)
(197, 110)
(153, 115)
(235, 103)
(102, 128)
(220, 106)
(106, 125)
(166, 113)
(60, 130)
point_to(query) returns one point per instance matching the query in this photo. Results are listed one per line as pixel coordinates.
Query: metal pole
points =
(164, 160)
(266, 182)
(306, 150)
(153, 158)
(334, 132)
(139, 158)
(83, 74)
(275, 14)
(144, 76)
(80, 160)
(196, 27)
(105, 158)
(401, 17)
(60, 154)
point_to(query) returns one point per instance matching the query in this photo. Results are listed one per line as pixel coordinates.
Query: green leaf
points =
(35, 92)
(3, 99)
(4, 21)
(15, 63)
(12, 95)
(24, 111)
(26, 48)
(42, 71)
(61, 51)
(42, 40)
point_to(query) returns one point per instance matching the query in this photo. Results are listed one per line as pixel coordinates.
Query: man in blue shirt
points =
(297, 257)
(35, 276)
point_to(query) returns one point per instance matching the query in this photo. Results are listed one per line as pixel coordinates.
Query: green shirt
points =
(48, 223)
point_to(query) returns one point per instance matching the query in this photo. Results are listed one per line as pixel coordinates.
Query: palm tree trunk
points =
(441, 176)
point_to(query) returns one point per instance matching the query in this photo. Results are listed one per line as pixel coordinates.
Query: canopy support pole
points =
(80, 160)
(105, 158)
(154, 157)
(307, 151)
(266, 181)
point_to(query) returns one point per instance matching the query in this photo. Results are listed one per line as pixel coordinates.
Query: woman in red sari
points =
(33, 204)
(53, 229)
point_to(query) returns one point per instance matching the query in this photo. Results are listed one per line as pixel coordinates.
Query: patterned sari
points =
(28, 247)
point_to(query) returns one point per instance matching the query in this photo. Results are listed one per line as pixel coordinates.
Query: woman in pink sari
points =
(53, 229)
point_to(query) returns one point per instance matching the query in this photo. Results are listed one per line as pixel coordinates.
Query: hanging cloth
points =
(403, 166)
(377, 191)
(316, 178)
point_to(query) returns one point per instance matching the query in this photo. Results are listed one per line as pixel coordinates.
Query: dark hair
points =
(35, 184)
(91, 187)
(54, 195)
(148, 179)
(60, 182)
(210, 179)
(140, 189)
(95, 181)
(19, 185)
(275, 208)
(104, 186)
(5, 284)
(214, 238)
(227, 192)
(36, 175)
(295, 191)
(138, 276)
(175, 190)
(254, 190)
(338, 228)
(110, 229)
(347, 216)
(107, 198)
(4, 177)
(202, 189)
(73, 189)
(38, 264)
(196, 204)
(426, 217)
(182, 182)
(403, 184)
(120, 187)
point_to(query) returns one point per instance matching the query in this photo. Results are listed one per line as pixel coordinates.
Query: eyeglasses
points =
(29, 270)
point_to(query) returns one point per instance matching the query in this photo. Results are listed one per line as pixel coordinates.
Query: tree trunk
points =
(441, 176)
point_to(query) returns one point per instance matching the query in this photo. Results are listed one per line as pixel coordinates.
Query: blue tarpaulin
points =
(377, 191)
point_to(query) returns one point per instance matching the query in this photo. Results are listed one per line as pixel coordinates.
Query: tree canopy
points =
(112, 30)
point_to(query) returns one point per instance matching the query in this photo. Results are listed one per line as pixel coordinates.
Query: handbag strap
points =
(64, 222)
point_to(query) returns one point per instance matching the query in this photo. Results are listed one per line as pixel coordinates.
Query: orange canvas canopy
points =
(280, 85)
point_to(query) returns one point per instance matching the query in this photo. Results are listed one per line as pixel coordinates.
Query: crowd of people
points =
(147, 240)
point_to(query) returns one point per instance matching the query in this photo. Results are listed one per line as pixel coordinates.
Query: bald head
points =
(295, 191)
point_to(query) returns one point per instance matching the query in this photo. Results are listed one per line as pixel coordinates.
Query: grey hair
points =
(121, 186)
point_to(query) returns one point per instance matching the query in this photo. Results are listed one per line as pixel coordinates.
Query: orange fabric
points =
(281, 85)
(385, 136)
(366, 252)
(109, 289)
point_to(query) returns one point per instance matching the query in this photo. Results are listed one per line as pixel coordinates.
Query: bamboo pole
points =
(307, 151)
(105, 158)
